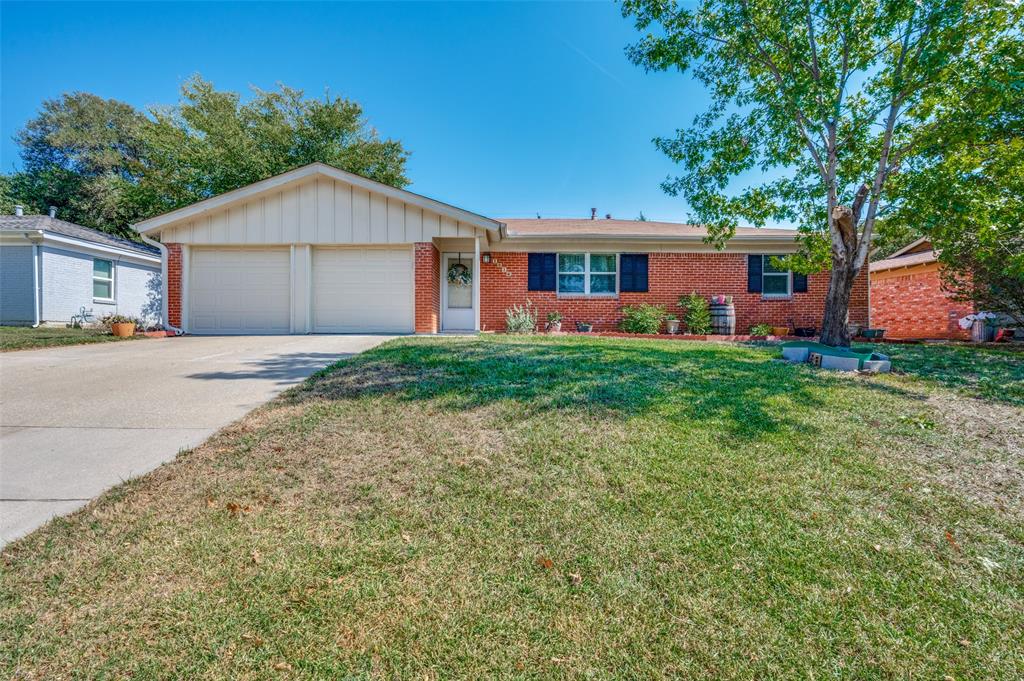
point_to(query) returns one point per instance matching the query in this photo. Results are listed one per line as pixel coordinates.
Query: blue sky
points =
(509, 109)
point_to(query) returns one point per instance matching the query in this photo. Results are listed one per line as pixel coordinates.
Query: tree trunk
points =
(834, 330)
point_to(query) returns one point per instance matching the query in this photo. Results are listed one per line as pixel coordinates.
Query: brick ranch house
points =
(907, 298)
(321, 250)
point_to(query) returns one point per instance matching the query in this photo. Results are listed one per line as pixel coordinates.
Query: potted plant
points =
(671, 323)
(120, 325)
(584, 327)
(780, 330)
(762, 330)
(554, 321)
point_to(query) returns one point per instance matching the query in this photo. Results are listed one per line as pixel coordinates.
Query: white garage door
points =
(362, 290)
(239, 291)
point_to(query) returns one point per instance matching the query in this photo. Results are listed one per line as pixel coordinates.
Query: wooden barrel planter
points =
(723, 319)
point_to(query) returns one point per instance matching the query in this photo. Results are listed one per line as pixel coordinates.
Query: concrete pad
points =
(840, 363)
(75, 421)
(877, 366)
(795, 354)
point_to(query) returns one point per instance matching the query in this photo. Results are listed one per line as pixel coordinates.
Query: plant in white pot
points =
(554, 321)
(671, 323)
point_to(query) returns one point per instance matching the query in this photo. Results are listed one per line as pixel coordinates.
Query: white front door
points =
(457, 305)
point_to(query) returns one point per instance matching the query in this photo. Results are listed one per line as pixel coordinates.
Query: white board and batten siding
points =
(320, 210)
(317, 255)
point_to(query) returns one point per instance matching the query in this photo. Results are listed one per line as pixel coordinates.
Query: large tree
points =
(828, 97)
(213, 142)
(964, 188)
(105, 164)
(80, 154)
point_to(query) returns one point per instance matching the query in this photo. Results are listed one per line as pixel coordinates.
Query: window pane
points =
(776, 284)
(102, 268)
(570, 283)
(602, 283)
(769, 268)
(101, 289)
(570, 262)
(602, 262)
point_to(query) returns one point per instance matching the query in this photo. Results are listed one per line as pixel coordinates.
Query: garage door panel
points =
(240, 291)
(362, 290)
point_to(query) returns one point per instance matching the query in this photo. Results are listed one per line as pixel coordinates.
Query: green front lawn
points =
(27, 338)
(552, 507)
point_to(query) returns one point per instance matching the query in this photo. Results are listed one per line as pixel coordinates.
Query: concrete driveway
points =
(75, 421)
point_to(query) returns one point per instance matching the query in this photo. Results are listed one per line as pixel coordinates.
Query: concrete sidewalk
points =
(75, 421)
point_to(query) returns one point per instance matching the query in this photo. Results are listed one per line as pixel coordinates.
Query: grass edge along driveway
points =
(26, 338)
(537, 507)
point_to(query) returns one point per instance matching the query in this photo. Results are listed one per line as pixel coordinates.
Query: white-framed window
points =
(588, 274)
(775, 282)
(102, 279)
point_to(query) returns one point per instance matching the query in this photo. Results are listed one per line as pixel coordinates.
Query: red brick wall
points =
(910, 303)
(428, 288)
(174, 284)
(503, 283)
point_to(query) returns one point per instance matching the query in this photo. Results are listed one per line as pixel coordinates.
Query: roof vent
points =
(607, 216)
(19, 211)
(53, 211)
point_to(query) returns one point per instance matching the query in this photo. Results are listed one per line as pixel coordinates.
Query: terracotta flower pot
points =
(123, 329)
(780, 331)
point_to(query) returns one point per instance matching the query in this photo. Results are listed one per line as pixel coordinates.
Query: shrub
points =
(521, 318)
(111, 319)
(643, 318)
(698, 317)
(761, 329)
(554, 317)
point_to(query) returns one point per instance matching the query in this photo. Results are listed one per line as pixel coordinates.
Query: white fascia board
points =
(313, 169)
(66, 242)
(25, 237)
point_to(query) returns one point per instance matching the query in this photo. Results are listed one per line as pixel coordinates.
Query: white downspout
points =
(163, 284)
(35, 286)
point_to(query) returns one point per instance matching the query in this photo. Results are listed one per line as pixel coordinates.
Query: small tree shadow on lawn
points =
(726, 386)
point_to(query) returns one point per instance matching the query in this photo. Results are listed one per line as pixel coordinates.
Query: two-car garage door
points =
(347, 290)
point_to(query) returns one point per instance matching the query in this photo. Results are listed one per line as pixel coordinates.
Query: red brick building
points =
(672, 260)
(321, 250)
(907, 298)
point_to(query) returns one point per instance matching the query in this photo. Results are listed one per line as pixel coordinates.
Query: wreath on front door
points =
(459, 275)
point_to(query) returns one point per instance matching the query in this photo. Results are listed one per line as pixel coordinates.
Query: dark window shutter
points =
(633, 277)
(799, 283)
(755, 266)
(541, 271)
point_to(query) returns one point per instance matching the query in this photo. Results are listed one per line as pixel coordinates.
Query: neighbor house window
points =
(102, 279)
(587, 273)
(775, 281)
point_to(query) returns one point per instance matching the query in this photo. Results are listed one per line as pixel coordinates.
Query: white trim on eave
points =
(312, 170)
(45, 238)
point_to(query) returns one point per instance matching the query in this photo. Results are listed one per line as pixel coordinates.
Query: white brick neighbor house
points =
(52, 270)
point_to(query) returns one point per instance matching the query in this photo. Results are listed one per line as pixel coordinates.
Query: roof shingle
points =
(19, 223)
(571, 227)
